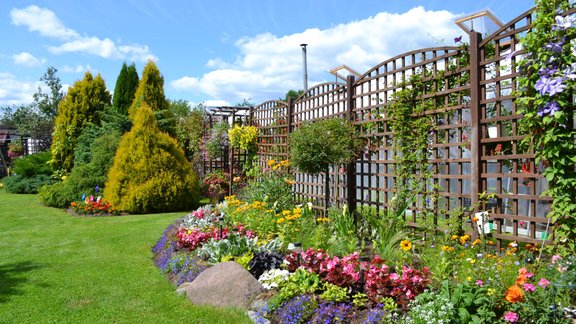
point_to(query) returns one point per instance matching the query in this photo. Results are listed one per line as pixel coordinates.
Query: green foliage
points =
(82, 105)
(550, 133)
(26, 185)
(300, 282)
(48, 103)
(360, 300)
(218, 140)
(292, 94)
(56, 195)
(125, 88)
(30, 173)
(411, 137)
(344, 239)
(189, 128)
(151, 92)
(150, 172)
(270, 185)
(34, 164)
(315, 146)
(334, 293)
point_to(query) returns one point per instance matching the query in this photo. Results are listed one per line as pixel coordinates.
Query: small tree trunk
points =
(327, 190)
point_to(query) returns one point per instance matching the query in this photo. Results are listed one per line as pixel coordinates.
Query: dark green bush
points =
(26, 185)
(85, 177)
(56, 195)
(34, 164)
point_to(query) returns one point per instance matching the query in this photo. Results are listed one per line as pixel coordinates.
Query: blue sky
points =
(219, 52)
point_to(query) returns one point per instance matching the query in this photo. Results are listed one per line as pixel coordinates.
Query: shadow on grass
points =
(12, 276)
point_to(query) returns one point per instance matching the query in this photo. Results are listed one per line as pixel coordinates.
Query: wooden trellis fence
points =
(473, 148)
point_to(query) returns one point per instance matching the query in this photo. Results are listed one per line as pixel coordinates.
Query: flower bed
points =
(450, 280)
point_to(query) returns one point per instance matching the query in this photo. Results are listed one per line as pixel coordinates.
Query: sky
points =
(219, 52)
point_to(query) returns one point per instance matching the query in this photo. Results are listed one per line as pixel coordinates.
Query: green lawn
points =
(56, 268)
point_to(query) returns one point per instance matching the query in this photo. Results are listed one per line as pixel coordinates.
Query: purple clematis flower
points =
(458, 39)
(555, 47)
(563, 23)
(548, 109)
(551, 86)
(570, 72)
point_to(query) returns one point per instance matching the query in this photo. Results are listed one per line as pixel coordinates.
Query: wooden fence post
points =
(351, 167)
(476, 131)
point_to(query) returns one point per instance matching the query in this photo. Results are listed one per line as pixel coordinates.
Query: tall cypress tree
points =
(125, 88)
(151, 92)
(83, 104)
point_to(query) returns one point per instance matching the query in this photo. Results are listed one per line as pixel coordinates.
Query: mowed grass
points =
(56, 268)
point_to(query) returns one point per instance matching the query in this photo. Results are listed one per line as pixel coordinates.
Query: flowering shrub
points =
(244, 137)
(216, 184)
(382, 282)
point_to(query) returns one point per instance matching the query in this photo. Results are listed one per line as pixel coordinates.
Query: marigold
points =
(406, 245)
(476, 242)
(514, 294)
(521, 279)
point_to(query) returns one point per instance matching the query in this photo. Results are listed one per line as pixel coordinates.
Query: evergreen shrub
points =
(150, 172)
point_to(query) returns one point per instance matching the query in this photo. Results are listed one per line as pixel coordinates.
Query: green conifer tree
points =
(150, 172)
(125, 88)
(151, 91)
(82, 105)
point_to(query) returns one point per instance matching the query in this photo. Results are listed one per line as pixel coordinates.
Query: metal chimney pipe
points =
(305, 67)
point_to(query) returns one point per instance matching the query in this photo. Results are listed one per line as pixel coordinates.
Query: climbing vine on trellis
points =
(547, 101)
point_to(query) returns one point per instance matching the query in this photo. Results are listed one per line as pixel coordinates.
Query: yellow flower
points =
(472, 261)
(469, 278)
(406, 245)
(280, 221)
(297, 210)
(286, 212)
(447, 248)
(322, 219)
(271, 163)
(476, 242)
(454, 237)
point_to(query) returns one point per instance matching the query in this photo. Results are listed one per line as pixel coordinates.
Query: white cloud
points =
(76, 69)
(43, 21)
(268, 66)
(16, 92)
(27, 59)
(46, 23)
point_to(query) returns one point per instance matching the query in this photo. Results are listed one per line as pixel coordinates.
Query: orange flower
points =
(514, 294)
(521, 279)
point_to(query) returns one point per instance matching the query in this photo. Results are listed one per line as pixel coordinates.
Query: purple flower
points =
(547, 72)
(555, 47)
(458, 39)
(551, 86)
(570, 72)
(564, 22)
(96, 189)
(549, 109)
(511, 55)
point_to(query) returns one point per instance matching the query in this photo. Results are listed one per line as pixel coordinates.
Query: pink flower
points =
(529, 287)
(511, 317)
(394, 276)
(555, 258)
(480, 283)
(543, 283)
